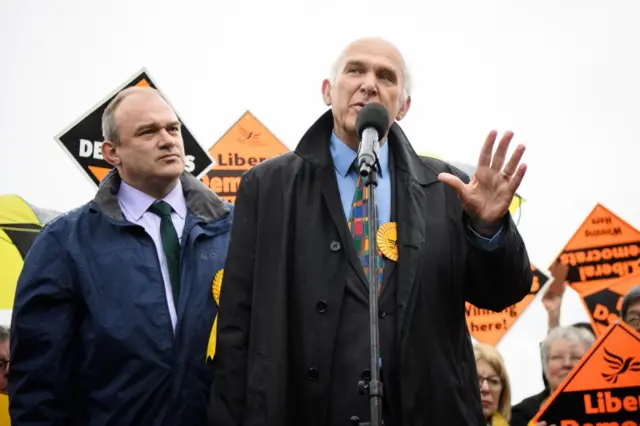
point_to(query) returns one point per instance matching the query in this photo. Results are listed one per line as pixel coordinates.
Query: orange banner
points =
(247, 143)
(602, 250)
(489, 327)
(604, 305)
(604, 388)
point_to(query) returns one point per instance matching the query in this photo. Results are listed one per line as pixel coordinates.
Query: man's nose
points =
(370, 85)
(166, 139)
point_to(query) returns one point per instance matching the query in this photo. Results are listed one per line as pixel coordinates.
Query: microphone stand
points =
(372, 386)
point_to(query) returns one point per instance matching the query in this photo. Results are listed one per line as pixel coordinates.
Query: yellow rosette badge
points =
(216, 287)
(387, 239)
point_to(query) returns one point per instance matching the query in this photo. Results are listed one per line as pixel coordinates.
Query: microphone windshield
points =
(373, 115)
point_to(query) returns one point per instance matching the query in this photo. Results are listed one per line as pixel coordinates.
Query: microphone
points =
(371, 124)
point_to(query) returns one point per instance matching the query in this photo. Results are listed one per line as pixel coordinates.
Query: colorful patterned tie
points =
(359, 226)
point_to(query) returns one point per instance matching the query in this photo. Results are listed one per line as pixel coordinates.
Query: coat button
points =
(335, 245)
(321, 306)
(365, 375)
(312, 374)
(381, 313)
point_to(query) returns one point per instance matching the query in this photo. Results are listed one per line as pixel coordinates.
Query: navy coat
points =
(92, 341)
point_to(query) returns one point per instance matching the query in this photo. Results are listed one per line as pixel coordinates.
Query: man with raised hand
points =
(293, 336)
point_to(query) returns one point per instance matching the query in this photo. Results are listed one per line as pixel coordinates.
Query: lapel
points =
(331, 196)
(390, 265)
(314, 148)
(414, 188)
(414, 193)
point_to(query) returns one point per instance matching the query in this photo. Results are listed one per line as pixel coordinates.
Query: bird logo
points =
(248, 137)
(619, 365)
(387, 239)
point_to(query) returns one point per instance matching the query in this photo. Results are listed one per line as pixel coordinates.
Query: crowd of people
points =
(157, 303)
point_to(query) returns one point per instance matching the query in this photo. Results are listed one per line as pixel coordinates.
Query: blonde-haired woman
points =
(495, 389)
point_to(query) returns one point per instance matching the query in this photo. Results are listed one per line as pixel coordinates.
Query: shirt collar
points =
(343, 156)
(136, 202)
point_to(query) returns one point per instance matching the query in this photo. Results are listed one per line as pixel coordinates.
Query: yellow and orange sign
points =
(604, 388)
(489, 327)
(247, 143)
(604, 249)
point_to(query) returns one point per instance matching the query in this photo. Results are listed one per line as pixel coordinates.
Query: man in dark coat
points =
(293, 337)
(114, 305)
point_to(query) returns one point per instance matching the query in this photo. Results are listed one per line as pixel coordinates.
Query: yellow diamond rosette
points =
(216, 287)
(387, 239)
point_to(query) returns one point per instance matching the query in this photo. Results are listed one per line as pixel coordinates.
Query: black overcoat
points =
(290, 247)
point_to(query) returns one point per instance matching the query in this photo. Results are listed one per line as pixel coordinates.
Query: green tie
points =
(170, 243)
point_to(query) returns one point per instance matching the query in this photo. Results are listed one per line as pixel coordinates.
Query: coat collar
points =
(314, 147)
(416, 191)
(201, 201)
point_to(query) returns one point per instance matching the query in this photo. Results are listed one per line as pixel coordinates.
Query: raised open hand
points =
(487, 197)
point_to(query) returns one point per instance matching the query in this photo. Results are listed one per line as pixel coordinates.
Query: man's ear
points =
(326, 92)
(404, 109)
(110, 153)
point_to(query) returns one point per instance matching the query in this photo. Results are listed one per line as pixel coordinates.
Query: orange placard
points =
(604, 305)
(603, 387)
(603, 249)
(247, 143)
(489, 327)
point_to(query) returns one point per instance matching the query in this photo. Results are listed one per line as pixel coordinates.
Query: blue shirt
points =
(343, 156)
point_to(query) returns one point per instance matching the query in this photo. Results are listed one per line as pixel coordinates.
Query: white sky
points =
(562, 75)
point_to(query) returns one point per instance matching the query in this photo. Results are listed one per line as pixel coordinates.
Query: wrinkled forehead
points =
(561, 346)
(144, 108)
(634, 307)
(374, 55)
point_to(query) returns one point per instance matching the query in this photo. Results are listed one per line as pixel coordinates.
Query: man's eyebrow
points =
(378, 68)
(145, 126)
(155, 125)
(354, 62)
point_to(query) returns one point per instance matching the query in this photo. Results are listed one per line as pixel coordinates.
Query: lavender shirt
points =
(134, 204)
